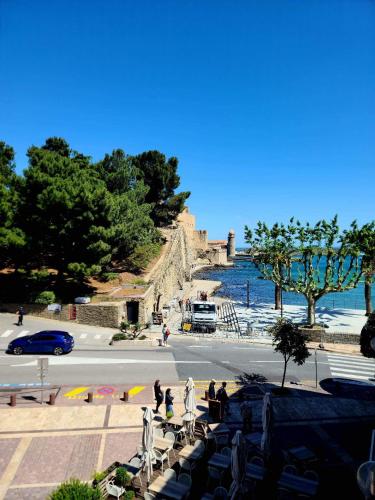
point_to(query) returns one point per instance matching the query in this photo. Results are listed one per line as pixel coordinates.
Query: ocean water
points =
(234, 280)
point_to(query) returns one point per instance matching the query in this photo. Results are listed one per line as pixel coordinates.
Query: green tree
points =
(289, 341)
(12, 239)
(364, 237)
(133, 234)
(66, 212)
(160, 176)
(310, 260)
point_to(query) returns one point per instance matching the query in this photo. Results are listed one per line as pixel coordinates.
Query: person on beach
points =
(223, 397)
(20, 313)
(169, 403)
(159, 395)
(211, 390)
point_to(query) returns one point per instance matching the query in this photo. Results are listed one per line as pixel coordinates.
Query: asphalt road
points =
(93, 361)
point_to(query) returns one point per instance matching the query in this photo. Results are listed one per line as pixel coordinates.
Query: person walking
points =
(211, 390)
(20, 313)
(166, 335)
(159, 395)
(223, 397)
(169, 403)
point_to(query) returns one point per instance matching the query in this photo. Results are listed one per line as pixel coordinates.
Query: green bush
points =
(124, 326)
(122, 477)
(45, 298)
(74, 489)
(119, 336)
(129, 495)
(138, 281)
(99, 476)
(142, 256)
(109, 276)
(39, 275)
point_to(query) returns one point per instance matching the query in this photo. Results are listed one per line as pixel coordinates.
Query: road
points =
(94, 361)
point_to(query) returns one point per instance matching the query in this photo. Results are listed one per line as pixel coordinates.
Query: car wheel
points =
(58, 351)
(18, 351)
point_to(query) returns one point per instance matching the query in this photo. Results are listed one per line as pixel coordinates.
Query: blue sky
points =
(269, 105)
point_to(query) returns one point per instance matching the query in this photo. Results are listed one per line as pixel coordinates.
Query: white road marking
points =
(351, 370)
(61, 361)
(7, 333)
(97, 336)
(347, 375)
(23, 333)
(83, 336)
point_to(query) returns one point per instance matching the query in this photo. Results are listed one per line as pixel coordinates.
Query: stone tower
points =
(231, 247)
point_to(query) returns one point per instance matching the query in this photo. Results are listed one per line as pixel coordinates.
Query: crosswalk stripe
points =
(347, 357)
(347, 375)
(136, 390)
(83, 336)
(76, 391)
(23, 333)
(97, 336)
(352, 363)
(7, 333)
(348, 370)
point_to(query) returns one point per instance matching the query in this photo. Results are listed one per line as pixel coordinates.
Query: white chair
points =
(158, 432)
(140, 450)
(198, 442)
(113, 490)
(186, 466)
(289, 469)
(170, 436)
(161, 457)
(226, 451)
(185, 479)
(259, 461)
(170, 474)
(136, 462)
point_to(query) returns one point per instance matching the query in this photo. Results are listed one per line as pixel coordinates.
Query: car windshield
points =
(204, 308)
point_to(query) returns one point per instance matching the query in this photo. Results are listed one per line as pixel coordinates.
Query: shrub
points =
(124, 326)
(138, 281)
(119, 336)
(367, 334)
(45, 298)
(142, 256)
(122, 477)
(109, 276)
(39, 275)
(99, 476)
(129, 495)
(75, 489)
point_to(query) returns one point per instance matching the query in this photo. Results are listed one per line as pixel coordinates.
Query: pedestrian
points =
(163, 331)
(223, 397)
(169, 403)
(180, 304)
(166, 334)
(211, 390)
(159, 395)
(20, 313)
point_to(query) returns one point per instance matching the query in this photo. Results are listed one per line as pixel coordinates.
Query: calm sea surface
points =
(234, 281)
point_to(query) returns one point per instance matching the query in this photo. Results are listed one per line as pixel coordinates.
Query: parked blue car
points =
(47, 341)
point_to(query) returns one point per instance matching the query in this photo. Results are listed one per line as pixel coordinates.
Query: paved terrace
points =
(43, 446)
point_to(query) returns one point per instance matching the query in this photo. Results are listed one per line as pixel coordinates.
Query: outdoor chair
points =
(136, 462)
(140, 451)
(221, 440)
(290, 469)
(158, 432)
(170, 436)
(198, 442)
(226, 451)
(113, 490)
(311, 474)
(214, 476)
(257, 461)
(170, 474)
(185, 479)
(220, 493)
(161, 457)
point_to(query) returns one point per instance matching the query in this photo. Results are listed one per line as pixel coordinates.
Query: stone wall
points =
(331, 337)
(39, 310)
(107, 314)
(200, 240)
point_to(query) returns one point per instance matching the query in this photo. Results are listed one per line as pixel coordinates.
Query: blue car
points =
(47, 341)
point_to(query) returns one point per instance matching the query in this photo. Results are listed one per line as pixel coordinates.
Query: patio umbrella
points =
(238, 465)
(190, 406)
(148, 457)
(267, 421)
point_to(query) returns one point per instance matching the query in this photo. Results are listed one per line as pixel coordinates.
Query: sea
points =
(234, 286)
